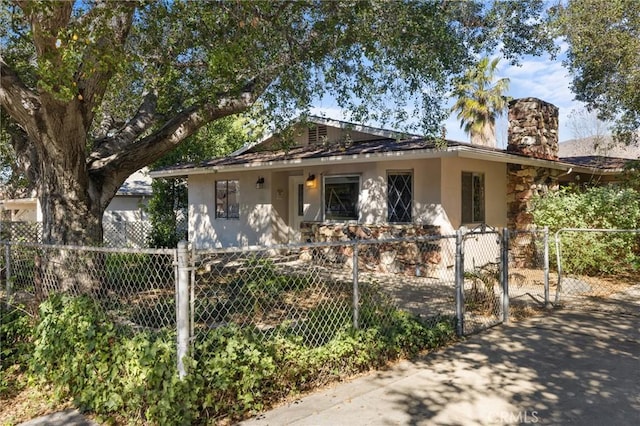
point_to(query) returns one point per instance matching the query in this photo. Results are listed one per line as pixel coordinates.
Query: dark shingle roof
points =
(316, 151)
(597, 162)
(376, 147)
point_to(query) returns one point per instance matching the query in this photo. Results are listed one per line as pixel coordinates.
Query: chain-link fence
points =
(597, 269)
(530, 278)
(314, 291)
(483, 284)
(137, 287)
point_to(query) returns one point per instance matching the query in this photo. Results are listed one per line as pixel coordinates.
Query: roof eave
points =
(452, 151)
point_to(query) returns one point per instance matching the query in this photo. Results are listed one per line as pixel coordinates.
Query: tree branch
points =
(16, 98)
(93, 75)
(113, 167)
(145, 117)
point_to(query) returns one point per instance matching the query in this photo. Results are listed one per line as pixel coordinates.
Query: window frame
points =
(227, 213)
(469, 201)
(325, 180)
(411, 196)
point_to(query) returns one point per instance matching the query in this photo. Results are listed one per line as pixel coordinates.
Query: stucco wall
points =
(256, 212)
(264, 213)
(427, 208)
(495, 175)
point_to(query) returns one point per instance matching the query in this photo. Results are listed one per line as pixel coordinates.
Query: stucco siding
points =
(495, 175)
(256, 212)
(265, 213)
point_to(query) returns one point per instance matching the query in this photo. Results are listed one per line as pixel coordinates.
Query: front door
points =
(296, 207)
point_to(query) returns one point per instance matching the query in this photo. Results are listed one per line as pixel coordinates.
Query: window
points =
(472, 197)
(399, 197)
(227, 205)
(341, 197)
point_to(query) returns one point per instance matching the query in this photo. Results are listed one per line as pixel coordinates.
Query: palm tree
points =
(479, 103)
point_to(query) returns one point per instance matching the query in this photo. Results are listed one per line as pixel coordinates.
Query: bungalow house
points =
(339, 180)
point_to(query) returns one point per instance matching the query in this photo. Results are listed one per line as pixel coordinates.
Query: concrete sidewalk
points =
(567, 368)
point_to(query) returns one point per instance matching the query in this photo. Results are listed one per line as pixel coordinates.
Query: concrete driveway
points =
(569, 367)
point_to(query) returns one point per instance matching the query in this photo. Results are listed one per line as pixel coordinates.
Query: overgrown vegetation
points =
(607, 207)
(15, 346)
(115, 373)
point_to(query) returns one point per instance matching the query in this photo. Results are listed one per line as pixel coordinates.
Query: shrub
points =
(232, 372)
(597, 207)
(15, 344)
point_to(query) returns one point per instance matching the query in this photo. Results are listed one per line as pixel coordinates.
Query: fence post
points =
(7, 267)
(356, 290)
(559, 266)
(459, 283)
(547, 302)
(182, 305)
(505, 275)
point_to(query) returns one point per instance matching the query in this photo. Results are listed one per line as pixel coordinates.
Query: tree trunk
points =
(71, 216)
(485, 137)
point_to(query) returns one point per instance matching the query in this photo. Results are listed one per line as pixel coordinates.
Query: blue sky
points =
(539, 77)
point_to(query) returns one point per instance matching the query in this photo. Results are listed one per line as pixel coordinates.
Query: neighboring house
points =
(128, 205)
(338, 180)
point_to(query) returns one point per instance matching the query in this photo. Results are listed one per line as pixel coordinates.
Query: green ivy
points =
(231, 373)
(15, 344)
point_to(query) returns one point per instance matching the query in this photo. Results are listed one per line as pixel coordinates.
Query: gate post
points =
(459, 281)
(547, 302)
(182, 305)
(505, 274)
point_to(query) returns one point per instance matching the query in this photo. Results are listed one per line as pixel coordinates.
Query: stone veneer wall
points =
(533, 131)
(413, 258)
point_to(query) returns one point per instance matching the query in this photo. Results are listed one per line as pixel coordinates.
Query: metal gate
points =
(481, 272)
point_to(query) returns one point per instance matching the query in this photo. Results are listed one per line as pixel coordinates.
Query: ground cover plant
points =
(130, 377)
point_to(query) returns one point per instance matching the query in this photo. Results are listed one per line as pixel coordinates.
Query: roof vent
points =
(317, 134)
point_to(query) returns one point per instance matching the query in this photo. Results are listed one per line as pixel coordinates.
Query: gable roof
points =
(377, 150)
(344, 125)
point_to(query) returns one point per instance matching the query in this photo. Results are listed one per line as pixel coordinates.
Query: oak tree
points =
(604, 58)
(96, 89)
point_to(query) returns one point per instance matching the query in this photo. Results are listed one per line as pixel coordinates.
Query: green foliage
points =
(106, 369)
(168, 205)
(631, 175)
(15, 343)
(231, 373)
(480, 100)
(603, 58)
(597, 207)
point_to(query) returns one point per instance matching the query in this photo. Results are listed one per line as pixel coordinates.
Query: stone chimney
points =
(533, 131)
(533, 128)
